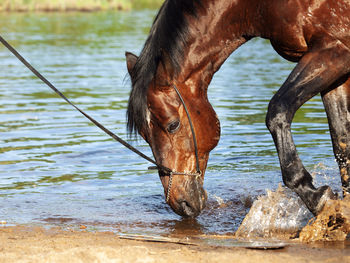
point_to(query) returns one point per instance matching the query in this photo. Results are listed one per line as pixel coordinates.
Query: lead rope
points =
(107, 131)
(169, 188)
(99, 125)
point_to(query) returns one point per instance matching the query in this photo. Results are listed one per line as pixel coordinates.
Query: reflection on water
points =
(58, 169)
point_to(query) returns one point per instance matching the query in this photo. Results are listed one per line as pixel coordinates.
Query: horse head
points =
(163, 122)
(172, 73)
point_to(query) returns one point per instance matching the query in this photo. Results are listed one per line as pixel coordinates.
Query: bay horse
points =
(190, 40)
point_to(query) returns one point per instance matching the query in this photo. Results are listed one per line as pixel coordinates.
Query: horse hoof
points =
(326, 194)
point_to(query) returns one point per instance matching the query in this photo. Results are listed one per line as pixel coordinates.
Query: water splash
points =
(276, 214)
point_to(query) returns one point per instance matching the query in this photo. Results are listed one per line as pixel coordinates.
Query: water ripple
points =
(58, 169)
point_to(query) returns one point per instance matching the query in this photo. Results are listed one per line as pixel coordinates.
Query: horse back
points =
(294, 27)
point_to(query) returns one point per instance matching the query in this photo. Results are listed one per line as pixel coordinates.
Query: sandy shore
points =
(29, 244)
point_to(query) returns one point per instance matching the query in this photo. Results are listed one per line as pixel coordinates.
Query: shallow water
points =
(57, 169)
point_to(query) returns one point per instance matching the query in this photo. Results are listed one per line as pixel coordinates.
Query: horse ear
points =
(130, 61)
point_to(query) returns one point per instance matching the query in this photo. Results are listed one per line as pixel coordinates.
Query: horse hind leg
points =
(337, 105)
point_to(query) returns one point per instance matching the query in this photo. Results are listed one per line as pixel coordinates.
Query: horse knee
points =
(277, 117)
(274, 121)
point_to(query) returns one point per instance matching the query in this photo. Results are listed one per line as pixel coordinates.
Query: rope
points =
(99, 125)
(110, 133)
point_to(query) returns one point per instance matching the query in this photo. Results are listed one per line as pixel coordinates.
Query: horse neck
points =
(214, 34)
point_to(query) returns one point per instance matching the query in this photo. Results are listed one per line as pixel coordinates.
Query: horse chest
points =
(292, 52)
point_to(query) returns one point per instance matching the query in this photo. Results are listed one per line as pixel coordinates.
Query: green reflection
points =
(46, 180)
(76, 5)
(68, 29)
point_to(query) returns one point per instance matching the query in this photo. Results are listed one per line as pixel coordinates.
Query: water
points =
(57, 169)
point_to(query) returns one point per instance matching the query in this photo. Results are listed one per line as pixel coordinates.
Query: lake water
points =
(57, 169)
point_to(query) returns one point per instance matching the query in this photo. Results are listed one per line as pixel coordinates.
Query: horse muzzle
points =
(188, 199)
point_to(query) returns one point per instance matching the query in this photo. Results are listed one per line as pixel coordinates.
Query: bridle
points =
(167, 171)
(170, 173)
(198, 172)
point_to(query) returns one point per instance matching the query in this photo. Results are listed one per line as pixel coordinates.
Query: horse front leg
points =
(316, 71)
(337, 105)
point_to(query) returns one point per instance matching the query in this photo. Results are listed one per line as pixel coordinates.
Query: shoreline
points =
(36, 244)
(47, 6)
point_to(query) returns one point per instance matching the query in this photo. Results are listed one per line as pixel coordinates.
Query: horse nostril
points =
(187, 209)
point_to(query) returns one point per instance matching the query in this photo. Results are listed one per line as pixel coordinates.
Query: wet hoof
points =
(324, 193)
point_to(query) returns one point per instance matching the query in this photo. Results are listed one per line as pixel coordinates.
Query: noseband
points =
(170, 172)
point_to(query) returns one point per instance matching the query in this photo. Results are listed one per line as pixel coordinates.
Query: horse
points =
(188, 42)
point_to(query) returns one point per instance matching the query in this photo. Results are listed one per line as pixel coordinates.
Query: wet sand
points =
(31, 244)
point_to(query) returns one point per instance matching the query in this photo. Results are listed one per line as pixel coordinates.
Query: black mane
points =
(167, 36)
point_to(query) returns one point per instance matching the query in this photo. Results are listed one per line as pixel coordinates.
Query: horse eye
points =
(173, 126)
